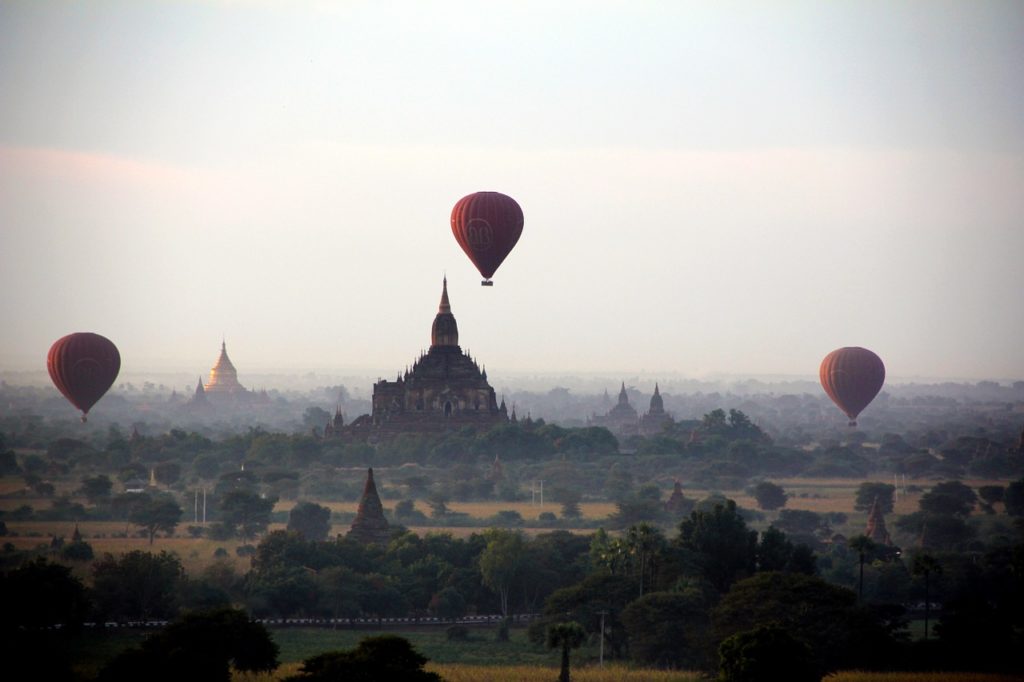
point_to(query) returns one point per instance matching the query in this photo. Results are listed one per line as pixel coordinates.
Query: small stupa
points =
(370, 526)
(875, 528)
(677, 504)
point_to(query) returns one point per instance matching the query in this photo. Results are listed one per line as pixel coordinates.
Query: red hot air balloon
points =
(487, 225)
(852, 377)
(83, 366)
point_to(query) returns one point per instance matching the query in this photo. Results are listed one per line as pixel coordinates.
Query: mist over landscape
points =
(456, 341)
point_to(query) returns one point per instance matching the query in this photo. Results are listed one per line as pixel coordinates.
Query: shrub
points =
(765, 653)
(457, 633)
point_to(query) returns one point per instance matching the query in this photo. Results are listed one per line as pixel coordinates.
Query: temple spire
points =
(444, 333)
(445, 306)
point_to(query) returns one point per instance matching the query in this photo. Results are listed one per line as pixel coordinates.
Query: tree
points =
(137, 585)
(862, 545)
(937, 531)
(584, 603)
(39, 594)
(769, 496)
(570, 501)
(96, 489)
(310, 520)
(566, 636)
(775, 552)
(767, 652)
(315, 418)
(203, 645)
(869, 491)
(926, 565)
(448, 604)
(1013, 498)
(668, 629)
(720, 543)
(990, 495)
(167, 473)
(156, 514)
(501, 562)
(246, 513)
(826, 617)
(644, 543)
(384, 657)
(951, 498)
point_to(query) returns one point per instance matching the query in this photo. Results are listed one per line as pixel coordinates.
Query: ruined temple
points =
(370, 526)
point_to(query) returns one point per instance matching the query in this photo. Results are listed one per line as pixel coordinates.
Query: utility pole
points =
(601, 654)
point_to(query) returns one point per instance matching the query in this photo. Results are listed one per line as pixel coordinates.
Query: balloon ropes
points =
(83, 366)
(487, 225)
(852, 377)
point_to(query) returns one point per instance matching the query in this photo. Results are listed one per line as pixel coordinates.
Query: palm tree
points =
(862, 545)
(568, 636)
(925, 564)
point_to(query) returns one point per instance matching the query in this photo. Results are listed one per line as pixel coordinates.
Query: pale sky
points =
(722, 187)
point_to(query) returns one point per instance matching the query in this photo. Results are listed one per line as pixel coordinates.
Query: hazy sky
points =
(720, 187)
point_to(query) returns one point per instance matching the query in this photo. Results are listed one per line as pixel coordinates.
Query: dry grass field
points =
(818, 495)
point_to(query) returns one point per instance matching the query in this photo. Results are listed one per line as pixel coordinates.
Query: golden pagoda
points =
(223, 375)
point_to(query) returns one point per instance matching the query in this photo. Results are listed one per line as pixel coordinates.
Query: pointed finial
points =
(445, 306)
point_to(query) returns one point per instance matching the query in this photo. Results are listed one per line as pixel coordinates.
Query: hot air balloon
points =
(83, 366)
(852, 377)
(487, 225)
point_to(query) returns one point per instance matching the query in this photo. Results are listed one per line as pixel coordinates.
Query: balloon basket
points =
(852, 424)
(487, 283)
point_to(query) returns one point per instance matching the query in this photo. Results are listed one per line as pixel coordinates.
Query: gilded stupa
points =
(223, 375)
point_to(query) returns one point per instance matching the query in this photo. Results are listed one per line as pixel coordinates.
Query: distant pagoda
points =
(370, 526)
(223, 375)
(875, 528)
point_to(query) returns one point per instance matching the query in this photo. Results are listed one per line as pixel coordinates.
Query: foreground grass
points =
(456, 672)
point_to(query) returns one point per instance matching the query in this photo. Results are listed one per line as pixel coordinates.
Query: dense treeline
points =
(666, 600)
